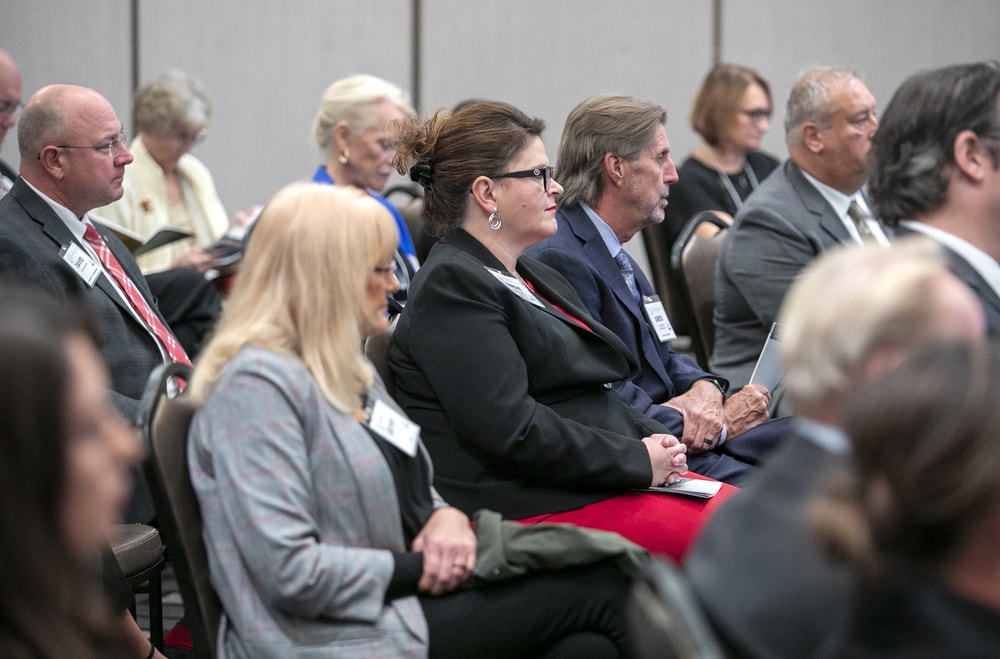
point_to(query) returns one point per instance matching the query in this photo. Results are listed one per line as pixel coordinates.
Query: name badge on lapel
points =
(516, 287)
(658, 318)
(394, 428)
(87, 268)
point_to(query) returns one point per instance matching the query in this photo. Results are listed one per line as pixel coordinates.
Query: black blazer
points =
(515, 400)
(31, 235)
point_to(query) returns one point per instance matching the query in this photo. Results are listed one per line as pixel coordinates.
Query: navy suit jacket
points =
(580, 255)
(31, 235)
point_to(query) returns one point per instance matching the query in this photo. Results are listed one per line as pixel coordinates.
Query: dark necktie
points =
(861, 223)
(626, 269)
(114, 268)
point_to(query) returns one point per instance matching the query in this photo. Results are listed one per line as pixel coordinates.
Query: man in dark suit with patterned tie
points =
(614, 164)
(73, 159)
(936, 170)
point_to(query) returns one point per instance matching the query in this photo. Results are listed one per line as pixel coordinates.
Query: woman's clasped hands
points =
(667, 458)
(449, 547)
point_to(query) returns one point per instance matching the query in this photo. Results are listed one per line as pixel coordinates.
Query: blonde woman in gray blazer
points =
(324, 534)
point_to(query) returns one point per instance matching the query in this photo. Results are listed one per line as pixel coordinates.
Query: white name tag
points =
(87, 268)
(658, 318)
(516, 287)
(394, 428)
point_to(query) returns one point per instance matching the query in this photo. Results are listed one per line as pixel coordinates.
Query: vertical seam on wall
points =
(415, 62)
(134, 59)
(716, 32)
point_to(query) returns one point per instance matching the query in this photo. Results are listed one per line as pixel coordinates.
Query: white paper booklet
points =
(692, 487)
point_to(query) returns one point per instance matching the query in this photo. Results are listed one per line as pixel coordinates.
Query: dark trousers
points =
(578, 612)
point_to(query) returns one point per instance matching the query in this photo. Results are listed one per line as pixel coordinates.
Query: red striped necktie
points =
(111, 264)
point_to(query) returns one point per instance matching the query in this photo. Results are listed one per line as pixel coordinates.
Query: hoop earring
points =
(495, 221)
(342, 158)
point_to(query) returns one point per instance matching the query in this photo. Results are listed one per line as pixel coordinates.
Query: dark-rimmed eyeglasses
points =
(544, 173)
(10, 107)
(109, 148)
(757, 115)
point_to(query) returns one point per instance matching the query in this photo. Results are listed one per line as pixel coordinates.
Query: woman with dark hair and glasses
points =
(64, 480)
(498, 360)
(731, 112)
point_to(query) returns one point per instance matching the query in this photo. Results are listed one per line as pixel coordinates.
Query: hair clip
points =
(421, 173)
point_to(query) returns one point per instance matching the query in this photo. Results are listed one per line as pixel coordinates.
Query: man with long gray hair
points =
(615, 168)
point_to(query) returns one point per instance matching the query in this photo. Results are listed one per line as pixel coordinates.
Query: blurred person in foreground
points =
(919, 515)
(854, 314)
(64, 480)
(324, 532)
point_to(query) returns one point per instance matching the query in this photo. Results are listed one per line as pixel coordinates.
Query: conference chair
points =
(377, 352)
(139, 552)
(164, 422)
(692, 263)
(665, 619)
(657, 241)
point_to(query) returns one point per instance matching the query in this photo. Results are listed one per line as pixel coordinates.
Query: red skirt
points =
(665, 524)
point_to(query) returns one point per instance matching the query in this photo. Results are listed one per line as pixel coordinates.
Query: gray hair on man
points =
(809, 100)
(608, 123)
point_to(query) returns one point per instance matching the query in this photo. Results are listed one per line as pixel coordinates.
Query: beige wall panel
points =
(885, 41)
(547, 57)
(83, 43)
(266, 64)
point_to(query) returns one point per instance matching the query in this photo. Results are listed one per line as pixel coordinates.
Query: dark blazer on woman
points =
(515, 399)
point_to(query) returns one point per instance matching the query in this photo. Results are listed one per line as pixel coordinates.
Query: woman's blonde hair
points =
(350, 100)
(302, 288)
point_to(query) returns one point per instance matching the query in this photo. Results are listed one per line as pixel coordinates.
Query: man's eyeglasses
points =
(10, 107)
(111, 147)
(545, 173)
(757, 115)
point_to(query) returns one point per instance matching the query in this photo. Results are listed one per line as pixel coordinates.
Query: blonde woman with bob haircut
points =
(324, 534)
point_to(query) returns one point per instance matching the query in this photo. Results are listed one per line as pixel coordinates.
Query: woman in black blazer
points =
(498, 360)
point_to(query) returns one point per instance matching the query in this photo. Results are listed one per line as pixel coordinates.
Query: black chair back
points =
(164, 422)
(692, 265)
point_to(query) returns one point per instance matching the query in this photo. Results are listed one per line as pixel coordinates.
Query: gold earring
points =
(342, 158)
